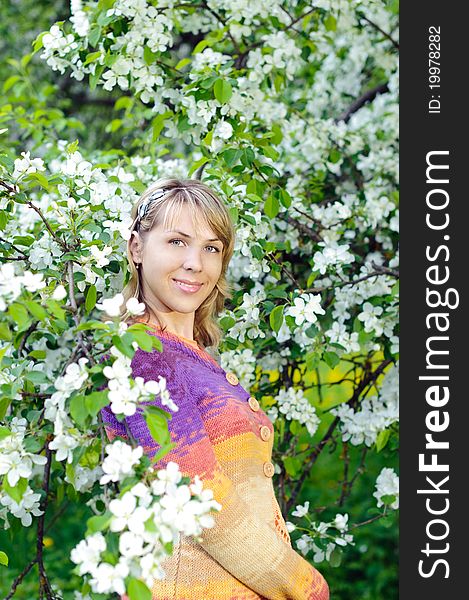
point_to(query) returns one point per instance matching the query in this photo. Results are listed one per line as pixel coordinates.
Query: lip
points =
(187, 288)
(188, 282)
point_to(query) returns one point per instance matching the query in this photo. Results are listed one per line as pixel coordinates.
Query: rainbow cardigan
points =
(223, 436)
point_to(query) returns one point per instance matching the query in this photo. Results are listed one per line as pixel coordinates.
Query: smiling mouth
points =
(186, 287)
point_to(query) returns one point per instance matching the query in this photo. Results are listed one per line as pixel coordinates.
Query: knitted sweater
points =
(223, 436)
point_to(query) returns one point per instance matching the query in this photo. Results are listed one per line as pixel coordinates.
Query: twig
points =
(284, 269)
(381, 271)
(44, 585)
(359, 102)
(345, 481)
(20, 578)
(328, 435)
(378, 28)
(384, 514)
(73, 303)
(27, 333)
(302, 228)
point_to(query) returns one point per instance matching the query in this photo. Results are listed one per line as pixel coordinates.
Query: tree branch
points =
(372, 376)
(44, 585)
(378, 28)
(359, 102)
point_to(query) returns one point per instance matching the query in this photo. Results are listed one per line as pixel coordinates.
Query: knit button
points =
(231, 377)
(269, 469)
(253, 403)
(265, 433)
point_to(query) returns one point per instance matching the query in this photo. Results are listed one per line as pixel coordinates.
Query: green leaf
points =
(36, 310)
(334, 155)
(295, 427)
(276, 318)
(89, 325)
(271, 207)
(231, 156)
(151, 409)
(247, 157)
(10, 82)
(55, 309)
(163, 451)
(182, 63)
(285, 198)
(382, 439)
(311, 278)
(330, 23)
(336, 557)
(37, 178)
(277, 136)
(137, 590)
(4, 404)
(36, 377)
(292, 465)
(16, 492)
(4, 433)
(94, 35)
(98, 522)
(78, 410)
(201, 45)
(331, 359)
(143, 340)
(197, 164)
(158, 427)
(270, 152)
(149, 56)
(3, 558)
(388, 520)
(94, 79)
(95, 401)
(18, 313)
(37, 44)
(91, 57)
(91, 296)
(123, 102)
(222, 90)
(123, 347)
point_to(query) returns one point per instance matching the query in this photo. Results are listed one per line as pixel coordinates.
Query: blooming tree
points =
(289, 110)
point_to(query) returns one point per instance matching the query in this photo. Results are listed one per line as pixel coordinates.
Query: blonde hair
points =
(207, 208)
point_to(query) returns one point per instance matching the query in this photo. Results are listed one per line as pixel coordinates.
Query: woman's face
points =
(166, 256)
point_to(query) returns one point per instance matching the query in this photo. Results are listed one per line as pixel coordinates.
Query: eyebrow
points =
(186, 235)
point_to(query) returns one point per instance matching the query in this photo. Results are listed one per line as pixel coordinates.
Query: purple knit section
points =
(191, 375)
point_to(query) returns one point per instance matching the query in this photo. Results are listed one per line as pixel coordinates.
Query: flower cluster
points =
(147, 518)
(294, 405)
(12, 285)
(322, 538)
(305, 308)
(387, 489)
(374, 415)
(125, 394)
(17, 463)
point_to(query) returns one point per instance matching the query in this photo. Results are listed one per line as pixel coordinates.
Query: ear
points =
(136, 247)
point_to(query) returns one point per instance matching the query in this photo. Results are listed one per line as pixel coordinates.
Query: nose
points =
(192, 259)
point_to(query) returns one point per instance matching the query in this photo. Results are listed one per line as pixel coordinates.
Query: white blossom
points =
(120, 460)
(387, 484)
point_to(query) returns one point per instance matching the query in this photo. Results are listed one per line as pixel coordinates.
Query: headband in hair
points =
(145, 206)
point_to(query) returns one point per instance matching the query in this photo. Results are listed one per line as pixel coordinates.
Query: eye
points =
(179, 240)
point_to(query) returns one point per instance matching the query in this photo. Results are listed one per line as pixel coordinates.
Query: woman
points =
(181, 242)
